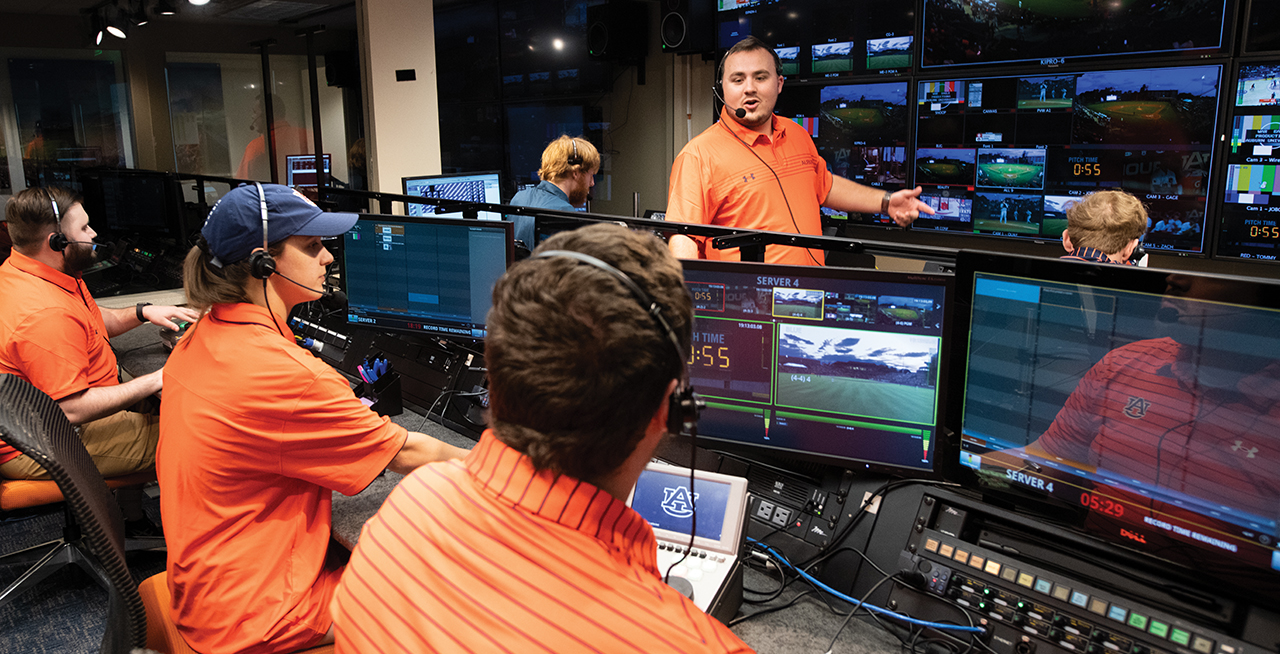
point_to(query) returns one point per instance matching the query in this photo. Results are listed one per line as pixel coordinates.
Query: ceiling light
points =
(139, 16)
(199, 3)
(166, 8)
(117, 26)
(98, 27)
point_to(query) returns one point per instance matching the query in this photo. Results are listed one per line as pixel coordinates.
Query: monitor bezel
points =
(506, 226)
(941, 443)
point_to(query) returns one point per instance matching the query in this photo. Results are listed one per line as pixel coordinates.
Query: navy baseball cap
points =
(234, 226)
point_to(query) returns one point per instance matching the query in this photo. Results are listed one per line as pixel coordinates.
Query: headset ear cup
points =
(261, 264)
(683, 408)
(58, 242)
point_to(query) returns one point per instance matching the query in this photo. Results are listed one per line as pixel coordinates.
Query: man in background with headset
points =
(756, 170)
(527, 543)
(569, 167)
(54, 335)
(257, 433)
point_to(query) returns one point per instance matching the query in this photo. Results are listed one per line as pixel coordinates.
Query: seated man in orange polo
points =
(54, 335)
(527, 544)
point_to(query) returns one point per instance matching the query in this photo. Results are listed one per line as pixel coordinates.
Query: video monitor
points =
(126, 201)
(1053, 32)
(1138, 405)
(1005, 156)
(485, 187)
(860, 130)
(429, 276)
(837, 366)
(301, 169)
(818, 39)
(1249, 223)
(1263, 28)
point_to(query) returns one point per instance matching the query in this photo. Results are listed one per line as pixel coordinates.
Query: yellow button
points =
(992, 568)
(1010, 573)
(1025, 579)
(961, 556)
(931, 545)
(1098, 606)
(977, 561)
(1061, 592)
(946, 550)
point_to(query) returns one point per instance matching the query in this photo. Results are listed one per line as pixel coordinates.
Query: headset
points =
(574, 159)
(261, 264)
(716, 91)
(59, 241)
(685, 404)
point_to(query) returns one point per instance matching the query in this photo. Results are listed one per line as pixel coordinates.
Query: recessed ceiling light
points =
(199, 3)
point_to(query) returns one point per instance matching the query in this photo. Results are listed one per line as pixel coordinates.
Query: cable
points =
(739, 620)
(439, 397)
(871, 607)
(861, 602)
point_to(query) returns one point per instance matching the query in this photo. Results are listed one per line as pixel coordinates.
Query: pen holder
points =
(384, 393)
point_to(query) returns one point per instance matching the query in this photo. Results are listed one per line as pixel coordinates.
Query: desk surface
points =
(805, 627)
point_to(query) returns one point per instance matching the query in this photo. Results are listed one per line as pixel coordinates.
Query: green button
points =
(1137, 621)
(1180, 637)
(1158, 629)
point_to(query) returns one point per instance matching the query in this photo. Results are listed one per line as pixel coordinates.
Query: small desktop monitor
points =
(831, 365)
(301, 169)
(1134, 404)
(125, 201)
(429, 276)
(662, 497)
(484, 187)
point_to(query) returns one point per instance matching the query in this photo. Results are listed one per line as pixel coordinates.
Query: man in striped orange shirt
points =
(527, 544)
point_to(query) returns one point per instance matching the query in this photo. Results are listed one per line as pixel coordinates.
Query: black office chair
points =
(32, 423)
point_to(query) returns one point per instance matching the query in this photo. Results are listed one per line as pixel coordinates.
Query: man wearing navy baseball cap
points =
(256, 432)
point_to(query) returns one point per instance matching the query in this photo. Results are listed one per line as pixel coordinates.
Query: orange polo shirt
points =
(488, 555)
(51, 332)
(717, 181)
(254, 435)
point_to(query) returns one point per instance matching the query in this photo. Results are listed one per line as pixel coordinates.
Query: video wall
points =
(1008, 112)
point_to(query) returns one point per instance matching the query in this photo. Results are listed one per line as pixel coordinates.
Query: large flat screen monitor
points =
(819, 39)
(1139, 405)
(483, 187)
(966, 32)
(126, 201)
(837, 366)
(431, 276)
(860, 130)
(1005, 156)
(1249, 226)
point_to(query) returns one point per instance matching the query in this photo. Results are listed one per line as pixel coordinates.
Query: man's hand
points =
(905, 207)
(169, 317)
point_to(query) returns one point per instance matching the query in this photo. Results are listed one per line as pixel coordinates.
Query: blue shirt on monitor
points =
(543, 196)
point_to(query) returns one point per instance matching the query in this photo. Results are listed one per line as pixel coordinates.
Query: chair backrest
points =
(32, 423)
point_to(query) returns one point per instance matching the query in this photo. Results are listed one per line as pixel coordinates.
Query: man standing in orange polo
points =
(755, 170)
(54, 335)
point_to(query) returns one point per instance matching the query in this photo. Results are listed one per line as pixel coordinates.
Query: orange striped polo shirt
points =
(488, 554)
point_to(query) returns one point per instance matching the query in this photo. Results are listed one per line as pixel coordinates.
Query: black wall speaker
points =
(618, 30)
(687, 26)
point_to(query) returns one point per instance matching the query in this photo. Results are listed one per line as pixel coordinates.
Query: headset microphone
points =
(739, 112)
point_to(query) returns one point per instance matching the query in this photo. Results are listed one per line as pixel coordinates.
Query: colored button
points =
(1027, 580)
(977, 561)
(1137, 621)
(1079, 599)
(1179, 636)
(993, 568)
(1061, 593)
(931, 545)
(1098, 606)
(1202, 645)
(946, 550)
(1158, 629)
(1044, 586)
(962, 556)
(1118, 613)
(1009, 574)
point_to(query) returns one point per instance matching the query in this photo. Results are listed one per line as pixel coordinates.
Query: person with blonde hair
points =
(569, 166)
(1105, 226)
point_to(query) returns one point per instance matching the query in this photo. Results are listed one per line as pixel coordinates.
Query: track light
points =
(98, 27)
(199, 3)
(166, 8)
(117, 25)
(138, 15)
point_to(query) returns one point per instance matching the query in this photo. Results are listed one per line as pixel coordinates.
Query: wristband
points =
(884, 203)
(142, 318)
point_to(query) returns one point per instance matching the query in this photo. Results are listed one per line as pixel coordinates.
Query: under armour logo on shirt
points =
(1248, 451)
(745, 180)
(1136, 408)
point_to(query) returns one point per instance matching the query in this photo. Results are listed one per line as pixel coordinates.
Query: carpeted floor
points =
(66, 613)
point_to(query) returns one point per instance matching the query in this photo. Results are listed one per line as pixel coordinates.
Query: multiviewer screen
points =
(430, 276)
(831, 365)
